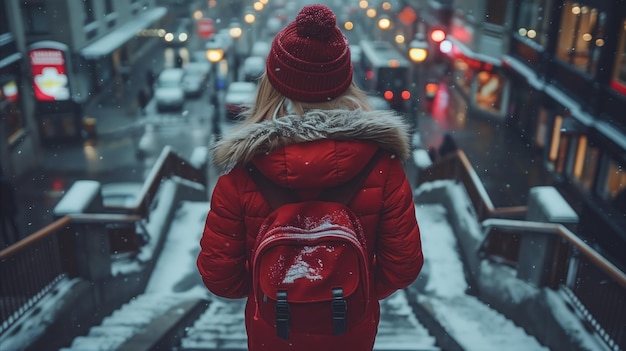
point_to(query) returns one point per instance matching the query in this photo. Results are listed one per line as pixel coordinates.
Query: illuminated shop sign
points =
(49, 70)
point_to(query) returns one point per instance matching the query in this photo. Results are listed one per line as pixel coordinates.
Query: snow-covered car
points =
(168, 92)
(252, 68)
(239, 95)
(261, 48)
(193, 84)
(201, 68)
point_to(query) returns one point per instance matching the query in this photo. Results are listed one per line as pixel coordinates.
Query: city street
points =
(516, 168)
(128, 142)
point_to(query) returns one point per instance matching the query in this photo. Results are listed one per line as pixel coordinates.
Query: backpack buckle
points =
(282, 314)
(339, 306)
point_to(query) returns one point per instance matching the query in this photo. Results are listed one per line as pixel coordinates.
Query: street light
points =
(418, 53)
(235, 32)
(249, 18)
(384, 24)
(214, 55)
(418, 49)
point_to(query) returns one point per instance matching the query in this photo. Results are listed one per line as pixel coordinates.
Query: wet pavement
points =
(506, 164)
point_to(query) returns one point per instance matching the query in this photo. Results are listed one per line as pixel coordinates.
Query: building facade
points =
(55, 57)
(555, 71)
(567, 67)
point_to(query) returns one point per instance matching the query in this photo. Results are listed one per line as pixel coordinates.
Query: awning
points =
(467, 52)
(123, 34)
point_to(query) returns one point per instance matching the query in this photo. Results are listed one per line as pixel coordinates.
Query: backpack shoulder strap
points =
(274, 194)
(344, 193)
(277, 195)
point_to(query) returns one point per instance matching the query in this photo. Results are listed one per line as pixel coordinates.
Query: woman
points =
(311, 128)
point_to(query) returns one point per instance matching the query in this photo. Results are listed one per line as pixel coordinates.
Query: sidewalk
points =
(114, 110)
(507, 165)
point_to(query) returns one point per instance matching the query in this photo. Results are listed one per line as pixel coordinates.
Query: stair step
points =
(399, 329)
(222, 327)
(142, 321)
(492, 331)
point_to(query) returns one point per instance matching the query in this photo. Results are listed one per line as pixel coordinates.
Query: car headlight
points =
(182, 37)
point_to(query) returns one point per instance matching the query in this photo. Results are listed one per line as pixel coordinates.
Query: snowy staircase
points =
(399, 329)
(221, 327)
(459, 321)
(141, 324)
(475, 326)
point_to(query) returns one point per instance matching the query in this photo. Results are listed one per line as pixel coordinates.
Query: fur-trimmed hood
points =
(382, 127)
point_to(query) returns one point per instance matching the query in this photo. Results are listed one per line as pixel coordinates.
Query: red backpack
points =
(310, 270)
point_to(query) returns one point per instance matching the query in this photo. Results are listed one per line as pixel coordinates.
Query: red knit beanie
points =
(310, 58)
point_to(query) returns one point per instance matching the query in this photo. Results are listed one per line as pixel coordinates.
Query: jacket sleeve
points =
(399, 257)
(222, 258)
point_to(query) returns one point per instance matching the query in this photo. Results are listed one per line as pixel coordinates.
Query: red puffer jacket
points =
(306, 153)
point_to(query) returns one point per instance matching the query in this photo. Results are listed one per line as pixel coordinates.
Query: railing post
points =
(536, 256)
(93, 252)
(91, 246)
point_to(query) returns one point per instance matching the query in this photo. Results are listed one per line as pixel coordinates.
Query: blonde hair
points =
(270, 104)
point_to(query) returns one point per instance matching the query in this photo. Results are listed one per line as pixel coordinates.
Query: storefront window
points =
(463, 75)
(488, 94)
(613, 188)
(541, 133)
(581, 37)
(619, 71)
(585, 165)
(533, 20)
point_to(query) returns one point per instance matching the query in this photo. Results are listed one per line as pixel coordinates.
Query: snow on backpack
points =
(310, 270)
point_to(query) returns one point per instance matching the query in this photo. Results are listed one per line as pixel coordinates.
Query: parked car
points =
(193, 85)
(252, 68)
(201, 68)
(168, 92)
(261, 48)
(239, 96)
(196, 78)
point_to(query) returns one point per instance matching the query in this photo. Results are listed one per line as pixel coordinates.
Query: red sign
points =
(205, 27)
(407, 16)
(50, 80)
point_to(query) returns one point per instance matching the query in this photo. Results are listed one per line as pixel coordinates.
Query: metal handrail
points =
(168, 164)
(574, 266)
(24, 283)
(30, 268)
(577, 269)
(554, 228)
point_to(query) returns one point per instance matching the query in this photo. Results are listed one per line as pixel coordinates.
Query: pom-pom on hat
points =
(309, 60)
